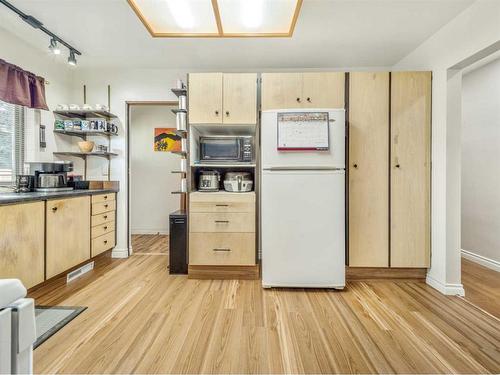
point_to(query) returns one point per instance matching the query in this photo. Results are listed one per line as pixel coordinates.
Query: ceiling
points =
(328, 34)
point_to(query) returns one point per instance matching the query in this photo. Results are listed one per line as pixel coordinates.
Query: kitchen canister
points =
(181, 121)
(183, 102)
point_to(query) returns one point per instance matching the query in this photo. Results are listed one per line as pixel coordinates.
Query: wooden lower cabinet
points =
(67, 234)
(103, 223)
(22, 235)
(222, 232)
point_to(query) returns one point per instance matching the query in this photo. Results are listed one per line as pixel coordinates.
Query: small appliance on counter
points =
(51, 176)
(78, 183)
(25, 183)
(209, 180)
(227, 149)
(238, 182)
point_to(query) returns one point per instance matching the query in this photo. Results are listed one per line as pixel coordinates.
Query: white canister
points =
(181, 120)
(183, 102)
(183, 165)
(184, 144)
(183, 185)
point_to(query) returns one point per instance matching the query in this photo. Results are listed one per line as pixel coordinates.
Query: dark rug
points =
(50, 319)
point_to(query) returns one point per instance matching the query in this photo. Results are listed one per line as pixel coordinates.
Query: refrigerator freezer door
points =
(334, 157)
(303, 232)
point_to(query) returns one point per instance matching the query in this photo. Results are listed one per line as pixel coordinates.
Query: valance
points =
(18, 86)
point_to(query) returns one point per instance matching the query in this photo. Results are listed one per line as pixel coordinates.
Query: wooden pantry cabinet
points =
(303, 90)
(67, 234)
(222, 98)
(389, 169)
(22, 233)
(410, 169)
(368, 169)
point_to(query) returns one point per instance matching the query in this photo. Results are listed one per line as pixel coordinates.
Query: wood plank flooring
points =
(482, 286)
(142, 320)
(150, 244)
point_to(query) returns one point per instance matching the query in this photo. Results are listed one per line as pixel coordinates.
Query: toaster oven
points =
(227, 149)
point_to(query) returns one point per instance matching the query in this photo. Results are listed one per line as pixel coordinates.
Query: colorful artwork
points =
(166, 140)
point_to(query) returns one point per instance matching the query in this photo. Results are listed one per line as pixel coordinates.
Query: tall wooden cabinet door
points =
(410, 169)
(205, 98)
(22, 234)
(369, 169)
(281, 91)
(67, 234)
(323, 90)
(240, 98)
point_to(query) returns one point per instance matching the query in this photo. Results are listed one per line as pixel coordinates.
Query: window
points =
(11, 142)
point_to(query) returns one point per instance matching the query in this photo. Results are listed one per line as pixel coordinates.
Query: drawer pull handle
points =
(105, 242)
(221, 249)
(54, 209)
(105, 216)
(105, 228)
(221, 205)
(106, 205)
(222, 221)
(105, 197)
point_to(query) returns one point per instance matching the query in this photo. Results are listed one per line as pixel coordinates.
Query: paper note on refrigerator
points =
(303, 131)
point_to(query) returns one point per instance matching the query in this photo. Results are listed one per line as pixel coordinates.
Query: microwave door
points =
(220, 149)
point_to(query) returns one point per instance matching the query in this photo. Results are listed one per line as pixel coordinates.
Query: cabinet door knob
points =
(398, 166)
(217, 113)
(106, 205)
(106, 241)
(105, 197)
(227, 113)
(105, 228)
(309, 100)
(298, 100)
(355, 166)
(105, 216)
(54, 209)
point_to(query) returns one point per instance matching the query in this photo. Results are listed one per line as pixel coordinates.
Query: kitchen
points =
(301, 191)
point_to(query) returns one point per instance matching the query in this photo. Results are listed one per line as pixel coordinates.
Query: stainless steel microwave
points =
(226, 149)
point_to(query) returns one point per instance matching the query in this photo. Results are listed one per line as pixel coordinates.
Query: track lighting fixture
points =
(54, 47)
(72, 58)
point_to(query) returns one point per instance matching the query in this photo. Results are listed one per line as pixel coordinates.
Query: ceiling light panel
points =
(258, 17)
(177, 17)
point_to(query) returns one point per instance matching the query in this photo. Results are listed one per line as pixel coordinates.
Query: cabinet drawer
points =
(103, 197)
(99, 230)
(103, 243)
(222, 207)
(99, 208)
(103, 218)
(236, 249)
(222, 222)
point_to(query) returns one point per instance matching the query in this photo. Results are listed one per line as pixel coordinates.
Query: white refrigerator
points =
(303, 199)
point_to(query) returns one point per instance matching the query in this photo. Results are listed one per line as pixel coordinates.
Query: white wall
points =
(475, 29)
(59, 90)
(481, 162)
(150, 179)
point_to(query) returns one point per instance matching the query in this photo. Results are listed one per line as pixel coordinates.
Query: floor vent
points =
(79, 272)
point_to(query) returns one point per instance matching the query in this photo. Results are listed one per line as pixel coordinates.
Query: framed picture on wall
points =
(166, 140)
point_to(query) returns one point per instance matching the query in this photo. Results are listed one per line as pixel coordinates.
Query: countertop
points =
(10, 198)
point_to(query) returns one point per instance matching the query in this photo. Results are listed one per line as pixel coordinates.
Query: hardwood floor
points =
(482, 286)
(150, 244)
(142, 320)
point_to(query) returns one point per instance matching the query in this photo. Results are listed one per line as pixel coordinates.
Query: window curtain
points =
(18, 86)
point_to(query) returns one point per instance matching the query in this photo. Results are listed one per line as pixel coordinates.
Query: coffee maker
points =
(51, 176)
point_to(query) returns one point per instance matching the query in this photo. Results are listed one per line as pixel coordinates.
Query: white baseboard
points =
(447, 289)
(149, 231)
(119, 253)
(483, 261)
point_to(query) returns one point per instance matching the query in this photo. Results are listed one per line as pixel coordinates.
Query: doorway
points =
(150, 179)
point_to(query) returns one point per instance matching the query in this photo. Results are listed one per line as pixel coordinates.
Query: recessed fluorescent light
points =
(182, 13)
(252, 13)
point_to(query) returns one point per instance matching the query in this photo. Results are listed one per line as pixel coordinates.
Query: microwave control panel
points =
(247, 149)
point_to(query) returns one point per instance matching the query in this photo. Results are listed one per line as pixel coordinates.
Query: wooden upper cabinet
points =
(323, 90)
(67, 234)
(369, 169)
(205, 98)
(410, 169)
(239, 98)
(22, 234)
(281, 91)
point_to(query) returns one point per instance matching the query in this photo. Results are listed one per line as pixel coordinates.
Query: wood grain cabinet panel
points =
(369, 169)
(281, 91)
(205, 98)
(236, 249)
(222, 222)
(67, 234)
(410, 169)
(102, 207)
(22, 232)
(103, 198)
(103, 243)
(240, 98)
(323, 90)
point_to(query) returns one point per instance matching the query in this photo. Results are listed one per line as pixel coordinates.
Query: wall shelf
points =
(179, 192)
(85, 114)
(179, 92)
(180, 172)
(177, 110)
(84, 155)
(83, 134)
(224, 165)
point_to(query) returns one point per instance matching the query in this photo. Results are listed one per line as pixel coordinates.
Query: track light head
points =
(54, 48)
(72, 58)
